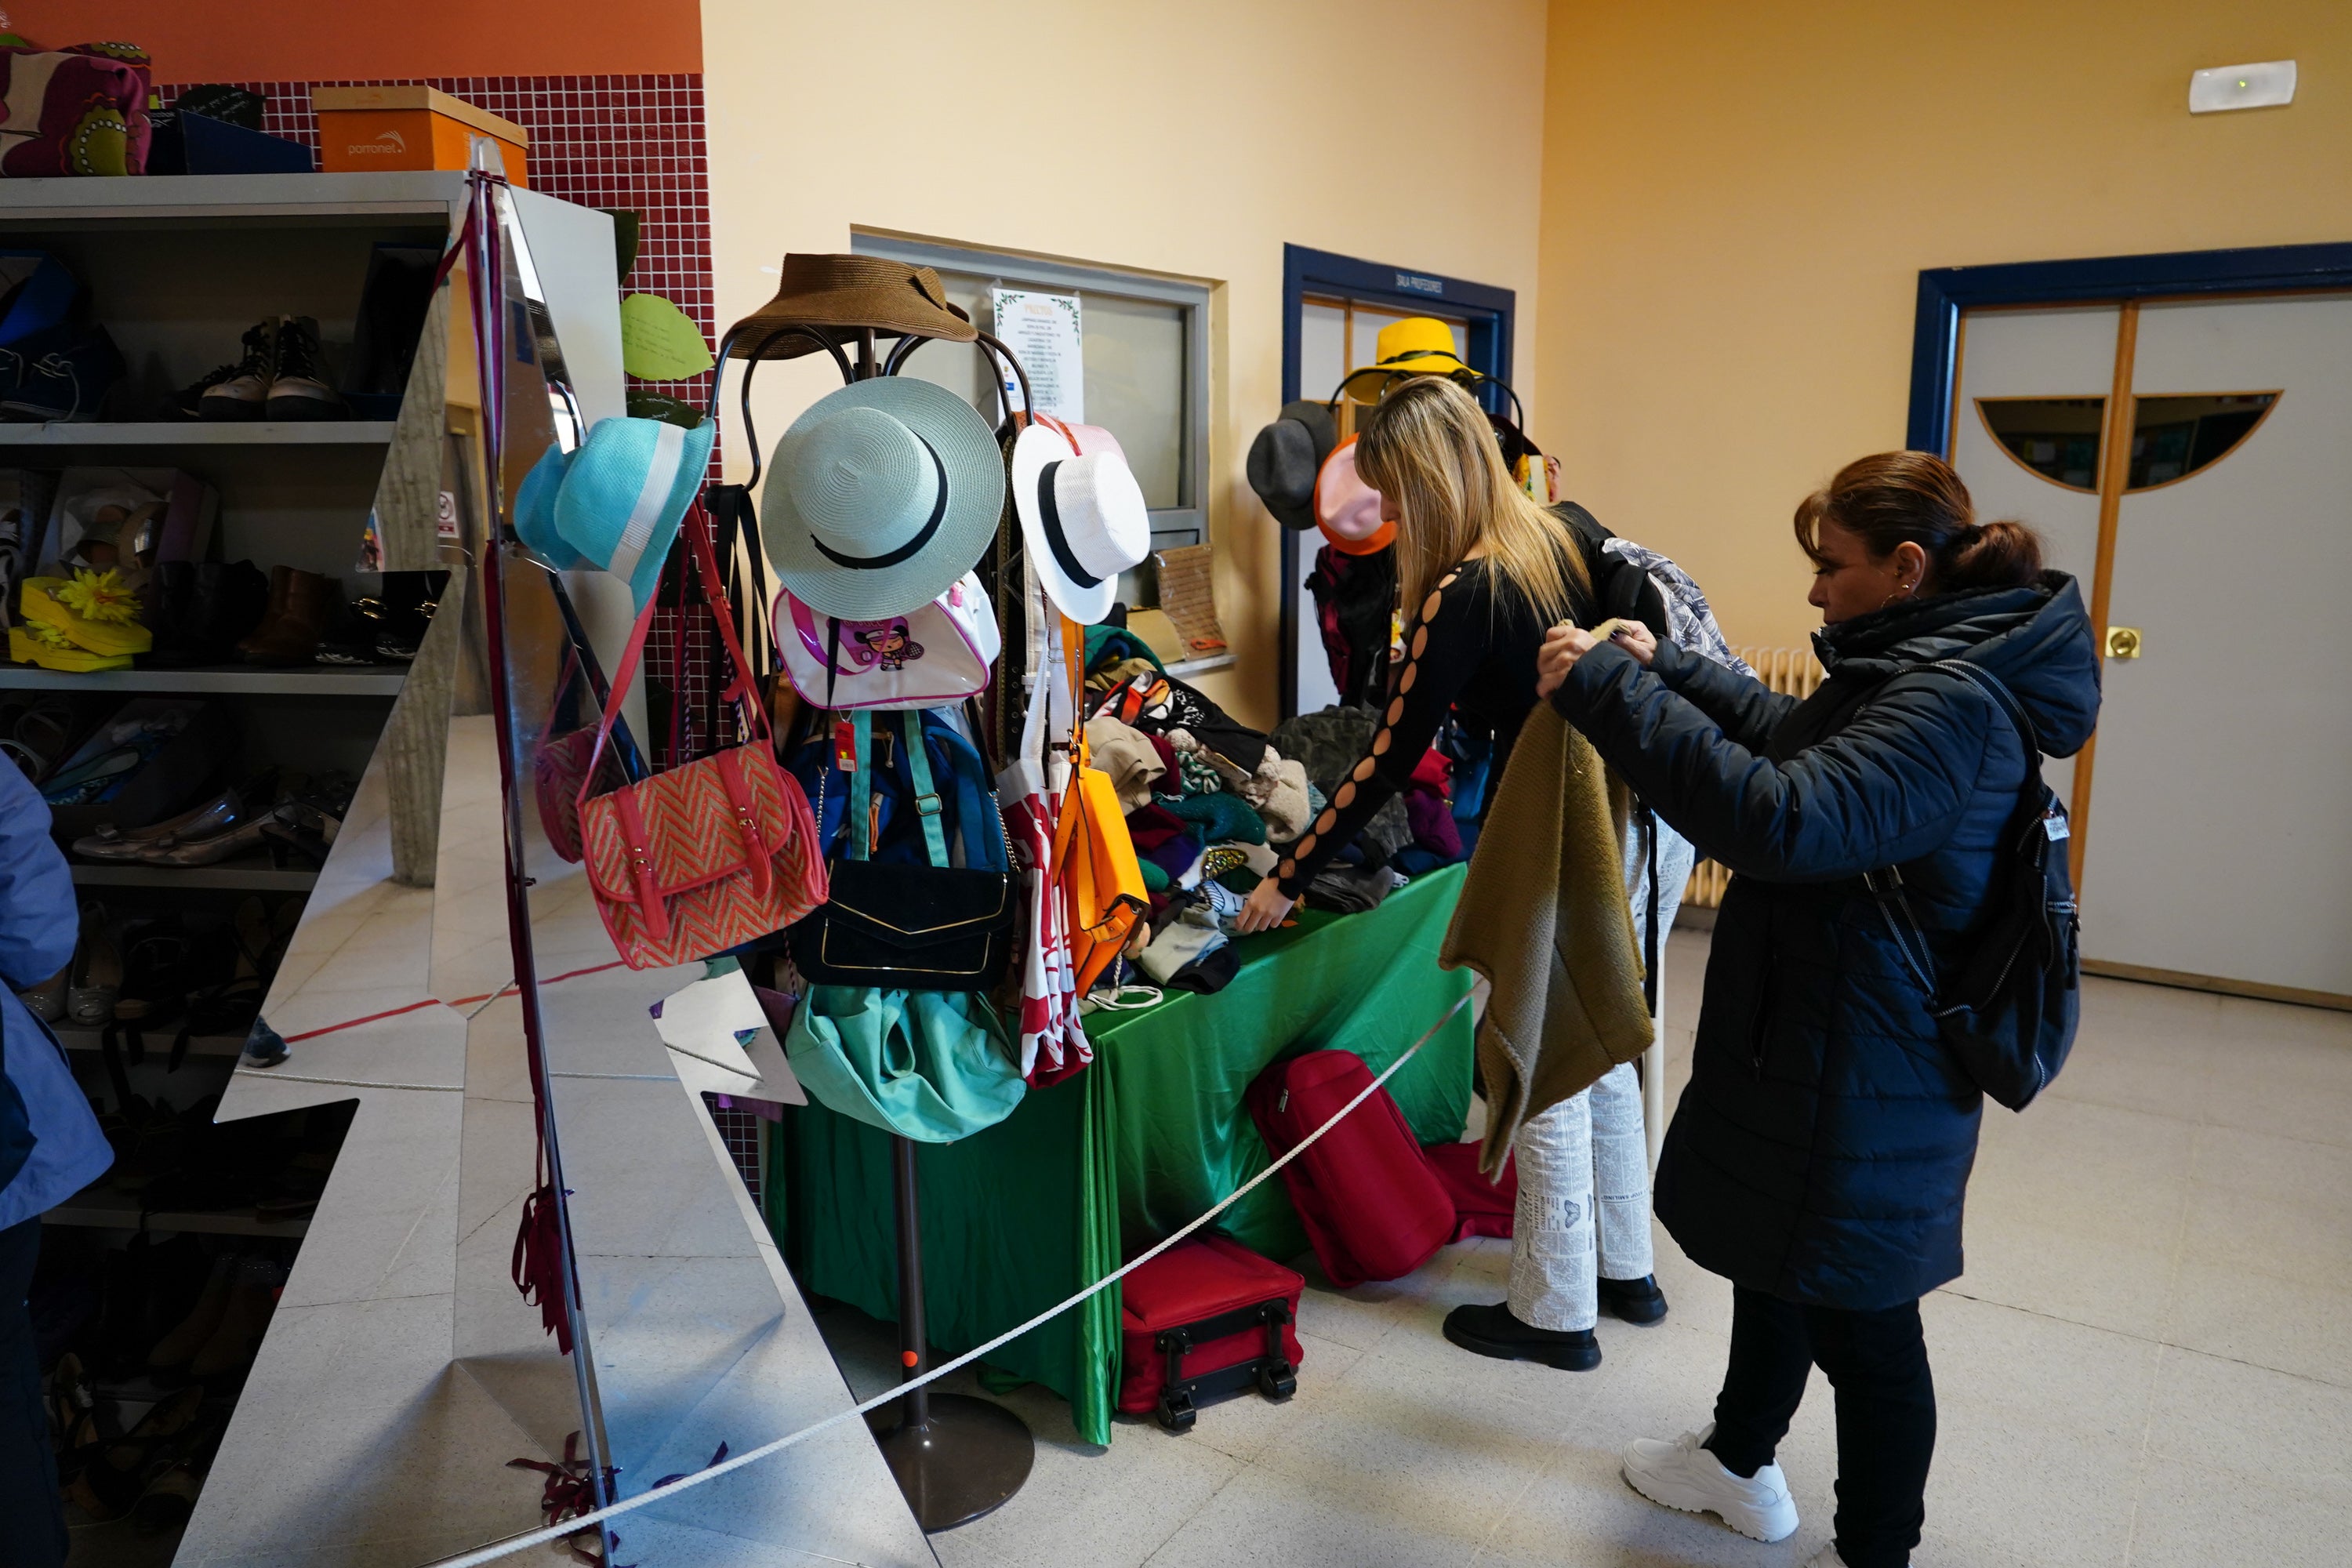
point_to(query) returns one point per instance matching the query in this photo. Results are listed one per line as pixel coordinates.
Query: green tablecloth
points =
(1087, 1174)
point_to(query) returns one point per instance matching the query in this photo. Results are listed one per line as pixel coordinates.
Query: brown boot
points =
(281, 582)
(293, 638)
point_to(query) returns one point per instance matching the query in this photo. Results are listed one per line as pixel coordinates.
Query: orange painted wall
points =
(306, 40)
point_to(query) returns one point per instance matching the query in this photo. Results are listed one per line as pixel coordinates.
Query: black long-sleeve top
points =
(1473, 642)
(1471, 646)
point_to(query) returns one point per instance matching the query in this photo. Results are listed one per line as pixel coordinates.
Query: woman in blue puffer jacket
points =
(1821, 1153)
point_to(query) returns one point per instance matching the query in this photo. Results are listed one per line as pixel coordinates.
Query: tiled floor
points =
(2149, 1361)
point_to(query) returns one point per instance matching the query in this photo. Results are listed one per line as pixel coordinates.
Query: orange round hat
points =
(1347, 509)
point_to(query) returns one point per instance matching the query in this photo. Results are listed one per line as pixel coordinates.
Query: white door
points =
(2220, 839)
(2027, 416)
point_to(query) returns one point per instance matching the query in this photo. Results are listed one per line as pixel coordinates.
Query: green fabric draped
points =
(1090, 1171)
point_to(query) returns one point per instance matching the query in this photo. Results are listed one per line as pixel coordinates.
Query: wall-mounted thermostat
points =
(2260, 86)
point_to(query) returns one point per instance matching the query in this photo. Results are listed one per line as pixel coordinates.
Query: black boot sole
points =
(1566, 1358)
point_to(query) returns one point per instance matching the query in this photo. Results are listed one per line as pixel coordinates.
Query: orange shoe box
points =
(366, 130)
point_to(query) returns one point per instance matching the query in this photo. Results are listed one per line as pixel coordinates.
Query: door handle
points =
(2123, 641)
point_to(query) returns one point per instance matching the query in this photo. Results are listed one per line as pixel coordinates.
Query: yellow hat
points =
(1417, 345)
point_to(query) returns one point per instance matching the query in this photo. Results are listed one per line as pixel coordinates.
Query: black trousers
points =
(1877, 1363)
(34, 1533)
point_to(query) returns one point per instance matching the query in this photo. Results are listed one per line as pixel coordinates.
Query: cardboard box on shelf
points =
(408, 126)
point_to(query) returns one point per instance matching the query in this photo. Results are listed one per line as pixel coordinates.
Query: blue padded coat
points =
(1821, 1151)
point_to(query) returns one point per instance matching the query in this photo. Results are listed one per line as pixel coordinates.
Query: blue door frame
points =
(1490, 312)
(1946, 291)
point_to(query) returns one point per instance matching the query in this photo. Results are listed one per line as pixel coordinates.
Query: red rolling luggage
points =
(1205, 1318)
(1481, 1207)
(1372, 1205)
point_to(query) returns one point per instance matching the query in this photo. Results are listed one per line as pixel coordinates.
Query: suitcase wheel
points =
(1175, 1412)
(1278, 1380)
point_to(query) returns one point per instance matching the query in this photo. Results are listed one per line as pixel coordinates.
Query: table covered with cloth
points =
(1087, 1174)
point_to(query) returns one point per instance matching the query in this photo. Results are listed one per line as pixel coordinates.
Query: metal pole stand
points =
(956, 1458)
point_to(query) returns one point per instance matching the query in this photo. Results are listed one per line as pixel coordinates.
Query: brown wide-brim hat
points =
(836, 293)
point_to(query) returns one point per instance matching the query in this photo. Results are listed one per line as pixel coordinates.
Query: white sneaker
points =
(1682, 1474)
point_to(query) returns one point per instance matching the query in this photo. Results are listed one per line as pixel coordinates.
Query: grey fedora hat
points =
(880, 496)
(1286, 457)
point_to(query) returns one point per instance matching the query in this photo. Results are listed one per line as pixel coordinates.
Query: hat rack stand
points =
(954, 1456)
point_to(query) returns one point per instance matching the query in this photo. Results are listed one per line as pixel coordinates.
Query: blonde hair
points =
(1428, 447)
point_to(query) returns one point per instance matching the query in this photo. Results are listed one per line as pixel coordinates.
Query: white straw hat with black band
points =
(1083, 517)
(880, 496)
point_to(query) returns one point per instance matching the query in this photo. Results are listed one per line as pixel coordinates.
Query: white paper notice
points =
(1043, 330)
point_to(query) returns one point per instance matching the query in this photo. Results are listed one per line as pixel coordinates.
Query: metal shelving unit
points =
(254, 875)
(107, 1208)
(261, 433)
(322, 680)
(159, 1041)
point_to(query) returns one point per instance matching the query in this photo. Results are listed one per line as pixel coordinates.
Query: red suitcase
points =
(1481, 1207)
(1205, 1318)
(1371, 1206)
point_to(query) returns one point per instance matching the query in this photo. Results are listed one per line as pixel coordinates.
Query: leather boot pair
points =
(300, 604)
(203, 608)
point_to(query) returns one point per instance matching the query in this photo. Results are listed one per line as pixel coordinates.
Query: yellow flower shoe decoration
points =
(40, 643)
(93, 610)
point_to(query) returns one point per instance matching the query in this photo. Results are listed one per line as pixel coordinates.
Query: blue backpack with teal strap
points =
(922, 896)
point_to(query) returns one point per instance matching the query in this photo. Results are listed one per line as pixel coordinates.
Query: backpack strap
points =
(1885, 883)
(928, 805)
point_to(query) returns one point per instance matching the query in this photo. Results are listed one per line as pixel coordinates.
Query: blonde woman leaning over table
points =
(1483, 571)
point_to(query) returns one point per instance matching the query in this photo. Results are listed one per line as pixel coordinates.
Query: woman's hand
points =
(1562, 647)
(1636, 639)
(1564, 644)
(1266, 909)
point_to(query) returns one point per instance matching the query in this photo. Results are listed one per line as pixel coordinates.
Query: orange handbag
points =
(710, 854)
(1094, 860)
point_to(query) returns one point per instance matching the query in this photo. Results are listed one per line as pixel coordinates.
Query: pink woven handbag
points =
(707, 855)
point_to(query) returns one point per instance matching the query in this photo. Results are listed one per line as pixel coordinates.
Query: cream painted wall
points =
(1191, 139)
(1738, 198)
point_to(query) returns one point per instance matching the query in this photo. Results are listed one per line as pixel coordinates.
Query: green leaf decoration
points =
(660, 341)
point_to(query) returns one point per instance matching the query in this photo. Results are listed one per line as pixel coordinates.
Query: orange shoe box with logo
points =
(365, 130)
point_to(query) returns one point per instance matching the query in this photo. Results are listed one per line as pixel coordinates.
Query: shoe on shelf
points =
(244, 393)
(1493, 1332)
(223, 812)
(47, 1001)
(188, 402)
(403, 612)
(1635, 1300)
(281, 585)
(61, 374)
(96, 611)
(38, 643)
(252, 1296)
(302, 618)
(298, 378)
(97, 971)
(226, 601)
(180, 1345)
(350, 637)
(1684, 1475)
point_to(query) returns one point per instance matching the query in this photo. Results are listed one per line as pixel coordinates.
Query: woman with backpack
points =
(1819, 1155)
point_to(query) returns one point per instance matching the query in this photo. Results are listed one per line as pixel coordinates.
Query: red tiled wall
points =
(631, 141)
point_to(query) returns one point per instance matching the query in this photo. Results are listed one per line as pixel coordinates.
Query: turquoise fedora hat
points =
(534, 510)
(880, 497)
(625, 492)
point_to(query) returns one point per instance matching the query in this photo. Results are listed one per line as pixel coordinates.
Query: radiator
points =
(1793, 670)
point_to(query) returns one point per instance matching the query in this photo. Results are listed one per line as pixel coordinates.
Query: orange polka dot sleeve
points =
(1446, 645)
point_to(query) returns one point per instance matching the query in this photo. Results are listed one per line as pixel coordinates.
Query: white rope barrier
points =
(573, 1526)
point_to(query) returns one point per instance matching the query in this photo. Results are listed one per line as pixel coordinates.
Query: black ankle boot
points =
(1635, 1300)
(1493, 1332)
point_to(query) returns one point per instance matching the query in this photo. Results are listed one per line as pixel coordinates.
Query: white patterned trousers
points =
(1584, 1167)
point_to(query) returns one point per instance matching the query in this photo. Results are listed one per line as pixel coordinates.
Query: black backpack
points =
(2009, 1012)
